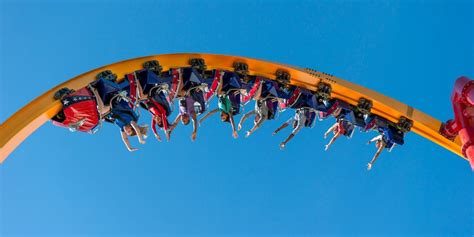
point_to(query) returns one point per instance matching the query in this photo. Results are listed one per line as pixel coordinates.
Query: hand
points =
(325, 135)
(168, 136)
(326, 147)
(239, 127)
(141, 141)
(158, 137)
(132, 149)
(274, 133)
(368, 143)
(282, 146)
(193, 136)
(235, 134)
(369, 166)
(247, 134)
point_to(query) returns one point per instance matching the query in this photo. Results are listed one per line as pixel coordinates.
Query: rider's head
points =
(225, 117)
(158, 121)
(128, 130)
(185, 119)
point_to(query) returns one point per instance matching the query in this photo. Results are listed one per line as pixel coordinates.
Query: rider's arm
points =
(153, 128)
(195, 123)
(138, 131)
(252, 91)
(102, 109)
(175, 122)
(141, 96)
(232, 123)
(126, 141)
(210, 113)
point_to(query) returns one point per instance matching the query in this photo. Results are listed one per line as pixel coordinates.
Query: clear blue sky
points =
(59, 183)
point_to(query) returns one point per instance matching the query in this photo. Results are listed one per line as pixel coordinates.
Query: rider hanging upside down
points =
(152, 96)
(118, 111)
(191, 102)
(305, 104)
(304, 117)
(341, 127)
(387, 139)
(266, 104)
(227, 86)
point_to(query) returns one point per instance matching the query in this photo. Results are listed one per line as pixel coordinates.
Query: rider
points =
(155, 100)
(120, 113)
(304, 117)
(191, 98)
(227, 87)
(341, 127)
(266, 104)
(264, 110)
(380, 143)
(386, 139)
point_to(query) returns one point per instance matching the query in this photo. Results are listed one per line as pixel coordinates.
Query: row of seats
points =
(155, 90)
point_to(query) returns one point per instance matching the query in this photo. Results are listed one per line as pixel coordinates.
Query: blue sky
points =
(59, 183)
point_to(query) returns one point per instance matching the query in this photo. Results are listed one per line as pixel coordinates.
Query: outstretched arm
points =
(245, 117)
(195, 127)
(141, 96)
(138, 131)
(100, 104)
(210, 113)
(153, 127)
(127, 142)
(175, 123)
(232, 123)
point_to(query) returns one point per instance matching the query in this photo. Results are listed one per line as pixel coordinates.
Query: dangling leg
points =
(333, 139)
(283, 144)
(377, 154)
(284, 125)
(245, 117)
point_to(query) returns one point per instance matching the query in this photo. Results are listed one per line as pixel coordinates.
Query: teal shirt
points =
(224, 104)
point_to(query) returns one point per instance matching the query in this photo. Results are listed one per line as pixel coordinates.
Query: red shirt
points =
(156, 110)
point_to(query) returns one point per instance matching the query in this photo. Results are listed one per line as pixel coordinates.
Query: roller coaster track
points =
(29, 118)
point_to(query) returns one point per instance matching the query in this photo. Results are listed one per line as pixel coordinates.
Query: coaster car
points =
(79, 111)
(389, 130)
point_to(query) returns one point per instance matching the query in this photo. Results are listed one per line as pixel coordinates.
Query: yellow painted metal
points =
(25, 121)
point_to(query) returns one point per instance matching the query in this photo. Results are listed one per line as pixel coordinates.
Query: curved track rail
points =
(29, 118)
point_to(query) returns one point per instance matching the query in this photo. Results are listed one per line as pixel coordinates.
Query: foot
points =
(282, 146)
(239, 127)
(369, 166)
(326, 147)
(247, 134)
